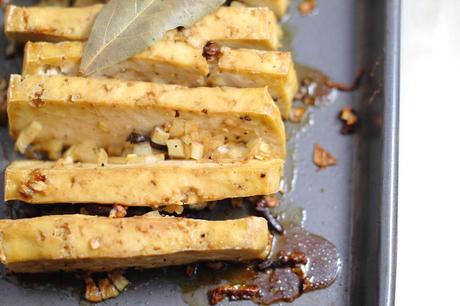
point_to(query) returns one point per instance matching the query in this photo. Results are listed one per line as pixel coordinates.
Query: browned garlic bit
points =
(306, 7)
(272, 201)
(211, 51)
(323, 158)
(191, 270)
(297, 114)
(36, 183)
(106, 288)
(118, 211)
(173, 209)
(237, 202)
(118, 280)
(92, 292)
(233, 292)
(350, 121)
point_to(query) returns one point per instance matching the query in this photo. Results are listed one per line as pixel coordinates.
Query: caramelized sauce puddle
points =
(288, 283)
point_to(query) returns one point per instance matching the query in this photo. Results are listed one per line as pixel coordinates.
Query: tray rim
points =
(390, 154)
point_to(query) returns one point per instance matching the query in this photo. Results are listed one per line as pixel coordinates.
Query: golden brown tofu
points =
(24, 24)
(78, 242)
(87, 2)
(166, 62)
(54, 3)
(254, 68)
(235, 27)
(156, 184)
(178, 63)
(230, 123)
(279, 7)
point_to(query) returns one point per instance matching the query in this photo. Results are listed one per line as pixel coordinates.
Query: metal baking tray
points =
(352, 204)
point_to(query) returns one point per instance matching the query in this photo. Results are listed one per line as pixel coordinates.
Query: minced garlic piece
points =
(197, 150)
(177, 128)
(118, 211)
(86, 152)
(142, 149)
(52, 148)
(118, 280)
(108, 290)
(28, 135)
(159, 136)
(171, 209)
(175, 148)
(102, 157)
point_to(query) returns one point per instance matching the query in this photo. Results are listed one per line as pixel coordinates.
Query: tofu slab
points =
(79, 242)
(178, 63)
(254, 68)
(157, 184)
(232, 26)
(279, 7)
(105, 112)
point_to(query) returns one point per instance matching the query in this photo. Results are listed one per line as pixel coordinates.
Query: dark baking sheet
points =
(353, 204)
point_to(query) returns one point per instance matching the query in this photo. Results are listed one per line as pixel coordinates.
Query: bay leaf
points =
(125, 28)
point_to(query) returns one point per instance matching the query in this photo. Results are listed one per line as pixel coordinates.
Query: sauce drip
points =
(288, 275)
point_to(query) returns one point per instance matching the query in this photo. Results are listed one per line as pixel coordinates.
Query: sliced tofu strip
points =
(232, 26)
(87, 2)
(178, 63)
(231, 123)
(279, 7)
(164, 62)
(254, 68)
(78, 242)
(156, 184)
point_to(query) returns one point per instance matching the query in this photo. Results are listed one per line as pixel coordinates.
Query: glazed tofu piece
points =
(232, 26)
(89, 243)
(178, 63)
(279, 7)
(38, 23)
(254, 68)
(236, 27)
(87, 2)
(165, 62)
(54, 3)
(156, 184)
(229, 124)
